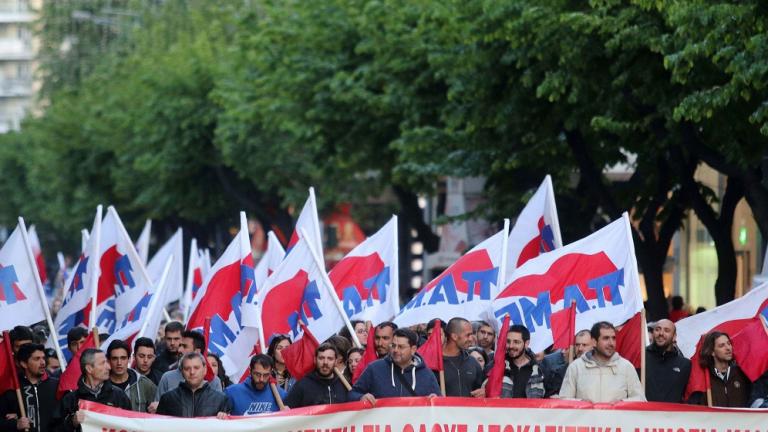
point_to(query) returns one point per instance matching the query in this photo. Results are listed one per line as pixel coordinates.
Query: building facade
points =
(17, 61)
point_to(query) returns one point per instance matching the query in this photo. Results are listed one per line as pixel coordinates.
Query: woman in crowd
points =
(218, 370)
(283, 377)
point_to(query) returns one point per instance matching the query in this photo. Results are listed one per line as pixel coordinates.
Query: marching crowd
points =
(168, 376)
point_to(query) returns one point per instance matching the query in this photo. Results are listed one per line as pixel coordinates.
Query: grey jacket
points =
(140, 390)
(173, 378)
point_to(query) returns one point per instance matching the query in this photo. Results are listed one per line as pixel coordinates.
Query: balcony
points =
(17, 87)
(15, 11)
(16, 49)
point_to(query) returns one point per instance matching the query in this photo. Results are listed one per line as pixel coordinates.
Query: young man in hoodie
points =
(523, 376)
(402, 373)
(254, 395)
(602, 375)
(321, 386)
(38, 393)
(139, 389)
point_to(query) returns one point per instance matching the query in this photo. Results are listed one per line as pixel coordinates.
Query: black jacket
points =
(164, 360)
(108, 395)
(39, 402)
(553, 366)
(462, 375)
(183, 402)
(316, 390)
(666, 374)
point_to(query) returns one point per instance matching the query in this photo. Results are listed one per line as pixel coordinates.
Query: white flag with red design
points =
(267, 265)
(309, 222)
(298, 292)
(37, 251)
(80, 287)
(366, 280)
(220, 299)
(142, 244)
(195, 275)
(174, 247)
(465, 289)
(123, 281)
(536, 230)
(21, 302)
(598, 273)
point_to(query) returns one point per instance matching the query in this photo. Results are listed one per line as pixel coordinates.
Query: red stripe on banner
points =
(458, 402)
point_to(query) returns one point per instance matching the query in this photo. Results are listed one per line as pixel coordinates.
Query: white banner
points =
(450, 415)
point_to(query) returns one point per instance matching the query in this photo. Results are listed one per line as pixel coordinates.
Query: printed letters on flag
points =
(21, 302)
(220, 298)
(536, 230)
(266, 266)
(175, 284)
(366, 280)
(598, 272)
(465, 289)
(297, 292)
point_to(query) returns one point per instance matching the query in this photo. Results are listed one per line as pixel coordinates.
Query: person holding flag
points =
(321, 386)
(38, 394)
(463, 375)
(602, 375)
(256, 394)
(523, 376)
(401, 374)
(728, 385)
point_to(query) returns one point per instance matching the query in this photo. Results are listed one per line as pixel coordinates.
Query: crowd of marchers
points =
(168, 376)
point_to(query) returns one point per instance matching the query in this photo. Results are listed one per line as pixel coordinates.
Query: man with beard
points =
(463, 375)
(320, 386)
(486, 337)
(38, 393)
(666, 369)
(730, 387)
(523, 376)
(253, 396)
(400, 374)
(382, 338)
(601, 375)
(139, 389)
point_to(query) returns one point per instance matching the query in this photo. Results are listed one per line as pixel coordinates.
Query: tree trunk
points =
(653, 274)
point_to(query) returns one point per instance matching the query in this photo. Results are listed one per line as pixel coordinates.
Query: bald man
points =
(667, 370)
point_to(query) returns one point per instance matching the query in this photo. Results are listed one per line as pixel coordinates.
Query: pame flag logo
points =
(136, 313)
(361, 282)
(123, 274)
(469, 279)
(9, 288)
(294, 301)
(77, 280)
(543, 242)
(591, 281)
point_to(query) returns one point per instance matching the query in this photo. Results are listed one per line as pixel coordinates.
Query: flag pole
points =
(12, 363)
(342, 378)
(95, 331)
(276, 394)
(41, 294)
(94, 253)
(332, 292)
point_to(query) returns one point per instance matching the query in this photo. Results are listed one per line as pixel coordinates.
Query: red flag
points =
(206, 333)
(369, 355)
(629, 340)
(750, 349)
(69, 378)
(432, 350)
(9, 380)
(496, 375)
(699, 379)
(563, 324)
(299, 357)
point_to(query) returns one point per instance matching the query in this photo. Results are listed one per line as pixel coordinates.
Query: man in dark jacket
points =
(167, 358)
(194, 397)
(402, 373)
(93, 386)
(463, 374)
(321, 386)
(555, 364)
(144, 356)
(38, 393)
(523, 376)
(667, 370)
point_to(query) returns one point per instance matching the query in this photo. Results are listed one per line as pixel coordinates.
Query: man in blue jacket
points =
(254, 395)
(402, 373)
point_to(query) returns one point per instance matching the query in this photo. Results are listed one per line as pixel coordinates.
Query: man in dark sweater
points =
(38, 393)
(667, 370)
(463, 374)
(194, 397)
(93, 386)
(321, 386)
(166, 359)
